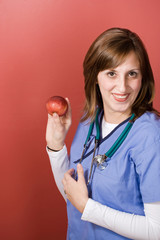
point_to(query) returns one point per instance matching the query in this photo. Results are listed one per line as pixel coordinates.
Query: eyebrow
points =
(135, 69)
(132, 69)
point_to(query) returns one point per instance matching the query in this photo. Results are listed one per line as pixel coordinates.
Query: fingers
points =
(68, 178)
(49, 116)
(80, 173)
(69, 112)
(69, 174)
(55, 120)
(76, 191)
(53, 117)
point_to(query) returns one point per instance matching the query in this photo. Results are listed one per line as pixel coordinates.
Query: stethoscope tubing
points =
(113, 148)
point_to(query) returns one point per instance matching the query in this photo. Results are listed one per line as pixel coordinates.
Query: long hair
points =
(109, 50)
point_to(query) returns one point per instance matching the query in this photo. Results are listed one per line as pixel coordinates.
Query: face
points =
(119, 88)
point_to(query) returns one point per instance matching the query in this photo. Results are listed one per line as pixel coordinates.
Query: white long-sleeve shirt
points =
(128, 225)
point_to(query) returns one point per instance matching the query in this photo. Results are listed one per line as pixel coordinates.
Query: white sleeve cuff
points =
(88, 208)
(56, 153)
(93, 212)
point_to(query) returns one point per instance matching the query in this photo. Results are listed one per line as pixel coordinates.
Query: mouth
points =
(120, 97)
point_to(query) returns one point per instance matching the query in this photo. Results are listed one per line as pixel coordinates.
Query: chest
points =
(117, 185)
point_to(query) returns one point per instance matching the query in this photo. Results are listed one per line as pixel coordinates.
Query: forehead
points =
(131, 61)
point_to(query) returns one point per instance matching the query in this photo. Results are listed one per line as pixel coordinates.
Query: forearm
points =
(128, 225)
(60, 164)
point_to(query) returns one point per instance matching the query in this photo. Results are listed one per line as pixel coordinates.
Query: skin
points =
(76, 191)
(119, 88)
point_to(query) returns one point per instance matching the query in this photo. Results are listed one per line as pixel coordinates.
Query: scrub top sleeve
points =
(148, 170)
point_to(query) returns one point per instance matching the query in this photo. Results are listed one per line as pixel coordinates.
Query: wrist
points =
(55, 146)
(83, 205)
(54, 149)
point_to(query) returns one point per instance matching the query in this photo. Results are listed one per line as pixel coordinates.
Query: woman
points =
(112, 178)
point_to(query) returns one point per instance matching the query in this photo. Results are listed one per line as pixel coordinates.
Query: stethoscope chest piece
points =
(100, 161)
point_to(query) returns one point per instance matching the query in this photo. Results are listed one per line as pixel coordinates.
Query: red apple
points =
(57, 104)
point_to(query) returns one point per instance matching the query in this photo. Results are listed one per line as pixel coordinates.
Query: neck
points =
(116, 117)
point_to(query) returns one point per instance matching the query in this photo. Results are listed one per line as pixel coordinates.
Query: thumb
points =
(80, 172)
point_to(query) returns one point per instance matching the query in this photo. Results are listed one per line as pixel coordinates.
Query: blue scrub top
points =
(130, 179)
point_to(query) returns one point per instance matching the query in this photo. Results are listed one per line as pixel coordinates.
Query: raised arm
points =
(57, 128)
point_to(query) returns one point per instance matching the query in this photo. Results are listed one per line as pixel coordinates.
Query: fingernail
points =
(54, 114)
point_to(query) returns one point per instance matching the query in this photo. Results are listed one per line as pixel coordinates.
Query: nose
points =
(122, 84)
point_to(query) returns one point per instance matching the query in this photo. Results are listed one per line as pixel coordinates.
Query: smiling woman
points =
(114, 194)
(119, 88)
(109, 51)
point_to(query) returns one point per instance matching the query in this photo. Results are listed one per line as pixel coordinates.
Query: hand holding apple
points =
(58, 123)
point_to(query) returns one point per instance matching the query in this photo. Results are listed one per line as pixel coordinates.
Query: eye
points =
(111, 74)
(133, 74)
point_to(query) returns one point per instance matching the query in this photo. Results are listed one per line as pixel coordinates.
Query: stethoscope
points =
(101, 160)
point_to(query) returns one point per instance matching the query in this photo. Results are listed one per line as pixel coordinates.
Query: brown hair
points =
(108, 51)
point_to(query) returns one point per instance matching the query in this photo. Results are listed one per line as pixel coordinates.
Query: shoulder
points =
(146, 131)
(148, 123)
(81, 134)
(82, 129)
(145, 143)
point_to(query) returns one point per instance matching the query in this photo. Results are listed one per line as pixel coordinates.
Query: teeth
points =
(118, 96)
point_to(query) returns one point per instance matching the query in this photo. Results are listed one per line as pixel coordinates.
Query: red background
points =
(42, 46)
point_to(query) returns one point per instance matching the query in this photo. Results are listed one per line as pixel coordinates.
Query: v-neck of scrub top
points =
(107, 127)
(101, 138)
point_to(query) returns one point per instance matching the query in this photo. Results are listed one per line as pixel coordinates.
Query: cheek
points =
(105, 85)
(137, 85)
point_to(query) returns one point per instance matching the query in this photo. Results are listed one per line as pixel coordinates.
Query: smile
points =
(120, 97)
